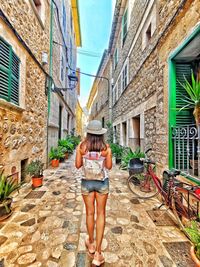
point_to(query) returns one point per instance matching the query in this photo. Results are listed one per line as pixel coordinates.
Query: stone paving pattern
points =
(50, 231)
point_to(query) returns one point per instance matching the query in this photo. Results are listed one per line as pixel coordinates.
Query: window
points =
(124, 77)
(71, 52)
(96, 107)
(64, 19)
(103, 122)
(148, 33)
(116, 92)
(38, 5)
(9, 73)
(71, 22)
(114, 95)
(124, 26)
(149, 27)
(115, 58)
(119, 86)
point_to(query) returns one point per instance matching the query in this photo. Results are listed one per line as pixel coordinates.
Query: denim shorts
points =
(88, 186)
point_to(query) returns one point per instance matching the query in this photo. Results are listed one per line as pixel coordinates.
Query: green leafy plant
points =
(75, 140)
(193, 232)
(128, 154)
(193, 98)
(35, 168)
(7, 186)
(56, 153)
(117, 150)
(66, 145)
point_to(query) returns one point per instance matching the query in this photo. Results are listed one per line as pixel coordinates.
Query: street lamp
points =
(73, 82)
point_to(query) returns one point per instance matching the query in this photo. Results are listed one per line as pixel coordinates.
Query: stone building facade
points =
(23, 96)
(99, 99)
(141, 76)
(79, 119)
(66, 38)
(152, 45)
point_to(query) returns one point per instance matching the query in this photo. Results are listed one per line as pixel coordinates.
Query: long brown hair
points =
(94, 142)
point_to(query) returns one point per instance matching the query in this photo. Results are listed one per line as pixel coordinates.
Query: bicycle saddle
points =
(172, 173)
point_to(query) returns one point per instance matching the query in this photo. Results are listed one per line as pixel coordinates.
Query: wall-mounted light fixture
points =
(44, 58)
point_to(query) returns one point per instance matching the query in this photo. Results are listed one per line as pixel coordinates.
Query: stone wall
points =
(66, 98)
(23, 128)
(147, 92)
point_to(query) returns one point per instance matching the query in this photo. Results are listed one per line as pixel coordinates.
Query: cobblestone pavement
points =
(49, 230)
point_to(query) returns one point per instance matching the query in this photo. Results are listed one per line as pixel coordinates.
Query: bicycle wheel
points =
(185, 207)
(142, 186)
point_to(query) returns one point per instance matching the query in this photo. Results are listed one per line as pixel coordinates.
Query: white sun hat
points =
(95, 127)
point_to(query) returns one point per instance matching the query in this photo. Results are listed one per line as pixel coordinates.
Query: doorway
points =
(60, 122)
(24, 164)
(124, 133)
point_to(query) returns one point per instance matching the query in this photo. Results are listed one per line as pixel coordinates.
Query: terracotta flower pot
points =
(37, 181)
(194, 257)
(55, 162)
(3, 212)
(66, 155)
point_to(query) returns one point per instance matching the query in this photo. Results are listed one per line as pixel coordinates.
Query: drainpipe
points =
(50, 75)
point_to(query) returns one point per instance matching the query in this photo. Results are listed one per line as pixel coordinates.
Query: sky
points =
(95, 24)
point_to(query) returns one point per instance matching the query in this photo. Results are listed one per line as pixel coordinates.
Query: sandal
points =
(98, 259)
(90, 246)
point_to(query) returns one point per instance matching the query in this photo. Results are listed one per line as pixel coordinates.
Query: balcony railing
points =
(186, 149)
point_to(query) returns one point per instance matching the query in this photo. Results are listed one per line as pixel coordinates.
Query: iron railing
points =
(186, 149)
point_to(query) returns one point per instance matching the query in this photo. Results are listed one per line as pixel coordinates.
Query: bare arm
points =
(79, 158)
(108, 155)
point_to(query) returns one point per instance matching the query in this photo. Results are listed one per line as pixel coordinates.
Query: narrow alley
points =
(109, 80)
(47, 227)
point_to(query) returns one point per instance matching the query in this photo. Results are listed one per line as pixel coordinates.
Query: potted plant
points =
(66, 146)
(192, 100)
(193, 232)
(7, 186)
(35, 169)
(131, 158)
(55, 155)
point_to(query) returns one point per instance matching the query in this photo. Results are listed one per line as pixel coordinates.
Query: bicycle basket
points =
(135, 166)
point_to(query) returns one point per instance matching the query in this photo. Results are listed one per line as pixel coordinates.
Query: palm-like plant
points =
(7, 187)
(193, 232)
(56, 153)
(193, 98)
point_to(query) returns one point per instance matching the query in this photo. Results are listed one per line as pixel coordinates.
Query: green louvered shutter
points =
(9, 73)
(5, 55)
(183, 117)
(14, 94)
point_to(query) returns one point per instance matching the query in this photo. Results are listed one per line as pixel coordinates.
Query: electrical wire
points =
(66, 47)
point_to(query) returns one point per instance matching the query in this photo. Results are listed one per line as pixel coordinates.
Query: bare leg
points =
(90, 209)
(100, 222)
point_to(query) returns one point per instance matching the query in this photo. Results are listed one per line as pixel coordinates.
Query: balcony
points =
(186, 149)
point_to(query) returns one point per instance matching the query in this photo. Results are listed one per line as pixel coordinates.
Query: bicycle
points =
(181, 198)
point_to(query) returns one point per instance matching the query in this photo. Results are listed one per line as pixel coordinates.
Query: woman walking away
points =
(95, 157)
